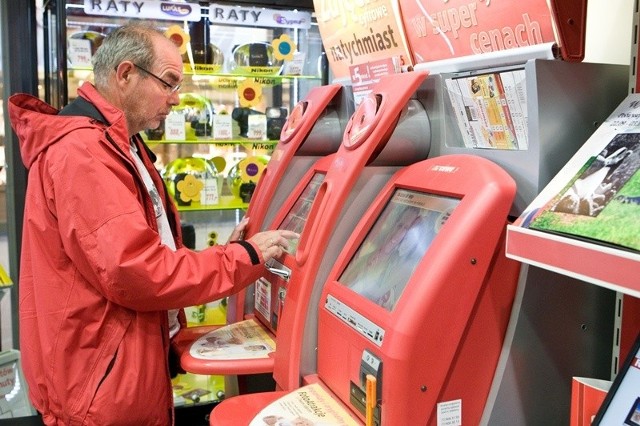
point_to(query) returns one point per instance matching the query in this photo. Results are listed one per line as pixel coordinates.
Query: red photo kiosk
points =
(388, 131)
(247, 346)
(421, 296)
(414, 312)
(313, 130)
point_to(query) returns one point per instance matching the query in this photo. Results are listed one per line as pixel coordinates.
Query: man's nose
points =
(174, 99)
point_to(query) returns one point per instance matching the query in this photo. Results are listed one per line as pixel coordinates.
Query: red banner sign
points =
(444, 29)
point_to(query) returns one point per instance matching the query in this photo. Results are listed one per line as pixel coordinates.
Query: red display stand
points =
(312, 130)
(324, 206)
(414, 340)
(247, 365)
(574, 227)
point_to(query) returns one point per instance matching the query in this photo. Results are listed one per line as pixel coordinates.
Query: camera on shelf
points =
(255, 57)
(241, 116)
(276, 117)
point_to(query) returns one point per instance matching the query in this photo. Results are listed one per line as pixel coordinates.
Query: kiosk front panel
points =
(391, 131)
(375, 145)
(421, 289)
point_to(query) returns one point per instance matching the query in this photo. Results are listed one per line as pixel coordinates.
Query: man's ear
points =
(123, 71)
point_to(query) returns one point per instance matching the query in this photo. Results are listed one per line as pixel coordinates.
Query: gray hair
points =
(131, 42)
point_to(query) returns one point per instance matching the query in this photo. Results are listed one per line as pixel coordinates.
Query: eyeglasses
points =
(172, 88)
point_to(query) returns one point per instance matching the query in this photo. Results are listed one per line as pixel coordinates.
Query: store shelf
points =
(226, 203)
(254, 144)
(615, 269)
(204, 73)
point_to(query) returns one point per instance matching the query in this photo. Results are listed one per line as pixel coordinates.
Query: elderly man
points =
(104, 271)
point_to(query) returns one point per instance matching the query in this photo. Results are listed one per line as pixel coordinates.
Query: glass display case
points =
(245, 68)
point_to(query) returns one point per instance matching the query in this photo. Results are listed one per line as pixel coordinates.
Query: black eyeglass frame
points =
(172, 88)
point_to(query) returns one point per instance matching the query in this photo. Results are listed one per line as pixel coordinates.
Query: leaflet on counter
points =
(245, 339)
(310, 405)
(491, 109)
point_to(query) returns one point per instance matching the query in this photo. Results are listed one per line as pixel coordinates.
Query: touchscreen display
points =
(297, 216)
(398, 240)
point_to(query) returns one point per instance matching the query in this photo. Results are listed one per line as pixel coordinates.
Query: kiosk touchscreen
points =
(388, 131)
(389, 254)
(297, 217)
(420, 289)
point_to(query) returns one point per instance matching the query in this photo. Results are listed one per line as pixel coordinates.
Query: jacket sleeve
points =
(94, 194)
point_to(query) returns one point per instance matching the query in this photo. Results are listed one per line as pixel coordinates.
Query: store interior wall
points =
(609, 36)
(608, 40)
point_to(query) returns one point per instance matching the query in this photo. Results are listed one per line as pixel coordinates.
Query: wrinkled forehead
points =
(167, 55)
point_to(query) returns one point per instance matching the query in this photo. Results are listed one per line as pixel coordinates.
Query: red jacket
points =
(95, 281)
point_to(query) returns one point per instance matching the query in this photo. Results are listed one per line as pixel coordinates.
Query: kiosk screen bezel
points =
(298, 214)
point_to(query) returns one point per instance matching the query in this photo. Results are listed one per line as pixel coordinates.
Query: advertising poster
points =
(438, 30)
(491, 109)
(596, 196)
(365, 76)
(602, 201)
(310, 405)
(245, 339)
(356, 32)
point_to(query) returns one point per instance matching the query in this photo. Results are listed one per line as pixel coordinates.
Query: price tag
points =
(209, 194)
(174, 127)
(296, 65)
(79, 52)
(257, 127)
(222, 127)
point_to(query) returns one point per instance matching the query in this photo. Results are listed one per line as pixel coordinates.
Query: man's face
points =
(150, 100)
